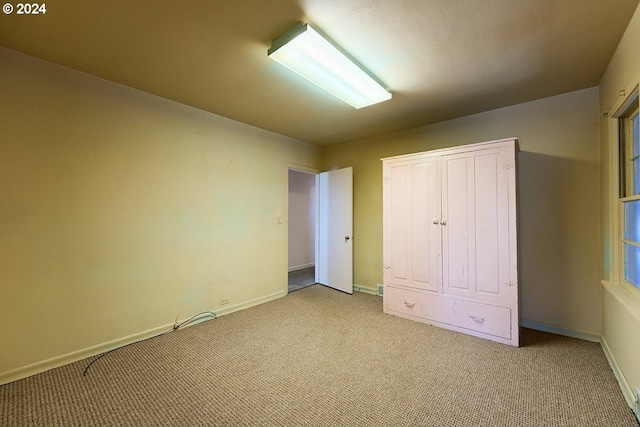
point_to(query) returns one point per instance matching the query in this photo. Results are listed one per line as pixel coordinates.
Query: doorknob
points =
(346, 238)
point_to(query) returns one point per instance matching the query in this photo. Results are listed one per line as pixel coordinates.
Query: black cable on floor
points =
(177, 326)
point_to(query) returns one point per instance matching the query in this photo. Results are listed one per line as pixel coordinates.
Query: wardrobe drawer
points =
(475, 316)
(404, 301)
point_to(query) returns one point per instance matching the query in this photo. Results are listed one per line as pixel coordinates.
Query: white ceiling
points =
(441, 59)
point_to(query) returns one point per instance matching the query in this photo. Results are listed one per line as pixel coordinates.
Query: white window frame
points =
(617, 203)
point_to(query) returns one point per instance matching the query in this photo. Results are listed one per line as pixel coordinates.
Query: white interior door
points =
(334, 251)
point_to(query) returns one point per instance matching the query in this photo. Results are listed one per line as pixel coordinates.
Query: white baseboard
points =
(74, 356)
(237, 307)
(300, 267)
(560, 330)
(365, 289)
(627, 391)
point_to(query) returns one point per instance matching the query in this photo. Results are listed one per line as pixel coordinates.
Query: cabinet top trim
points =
(462, 148)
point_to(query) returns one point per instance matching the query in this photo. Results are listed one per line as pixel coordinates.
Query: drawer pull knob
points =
(478, 319)
(409, 304)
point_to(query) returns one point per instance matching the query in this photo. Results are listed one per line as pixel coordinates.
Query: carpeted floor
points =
(302, 278)
(319, 357)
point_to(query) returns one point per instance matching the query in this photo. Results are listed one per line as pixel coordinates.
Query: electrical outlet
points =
(224, 301)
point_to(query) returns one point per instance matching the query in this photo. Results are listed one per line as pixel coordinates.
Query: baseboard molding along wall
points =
(559, 330)
(364, 289)
(74, 356)
(237, 307)
(300, 267)
(626, 388)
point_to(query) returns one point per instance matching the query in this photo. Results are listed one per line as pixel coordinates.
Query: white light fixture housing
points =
(304, 51)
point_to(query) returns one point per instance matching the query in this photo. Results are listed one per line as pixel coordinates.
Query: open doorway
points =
(301, 229)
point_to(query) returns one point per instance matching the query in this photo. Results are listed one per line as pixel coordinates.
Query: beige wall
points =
(122, 211)
(558, 200)
(620, 308)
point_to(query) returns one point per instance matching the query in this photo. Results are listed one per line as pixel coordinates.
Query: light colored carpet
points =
(319, 357)
(302, 278)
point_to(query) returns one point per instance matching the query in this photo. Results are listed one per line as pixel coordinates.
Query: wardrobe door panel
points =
(476, 234)
(399, 209)
(411, 239)
(458, 224)
(425, 235)
(487, 208)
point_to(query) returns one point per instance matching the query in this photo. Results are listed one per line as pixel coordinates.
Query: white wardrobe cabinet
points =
(450, 239)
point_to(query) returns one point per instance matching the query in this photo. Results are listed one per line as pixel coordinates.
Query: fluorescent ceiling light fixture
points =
(304, 51)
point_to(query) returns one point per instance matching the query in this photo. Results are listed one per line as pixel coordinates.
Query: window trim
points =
(627, 116)
(621, 109)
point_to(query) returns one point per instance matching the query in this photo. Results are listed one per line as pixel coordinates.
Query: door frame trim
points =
(298, 168)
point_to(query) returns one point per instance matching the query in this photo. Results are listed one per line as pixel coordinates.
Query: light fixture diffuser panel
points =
(305, 52)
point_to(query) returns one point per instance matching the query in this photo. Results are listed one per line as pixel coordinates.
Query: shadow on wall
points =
(559, 232)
